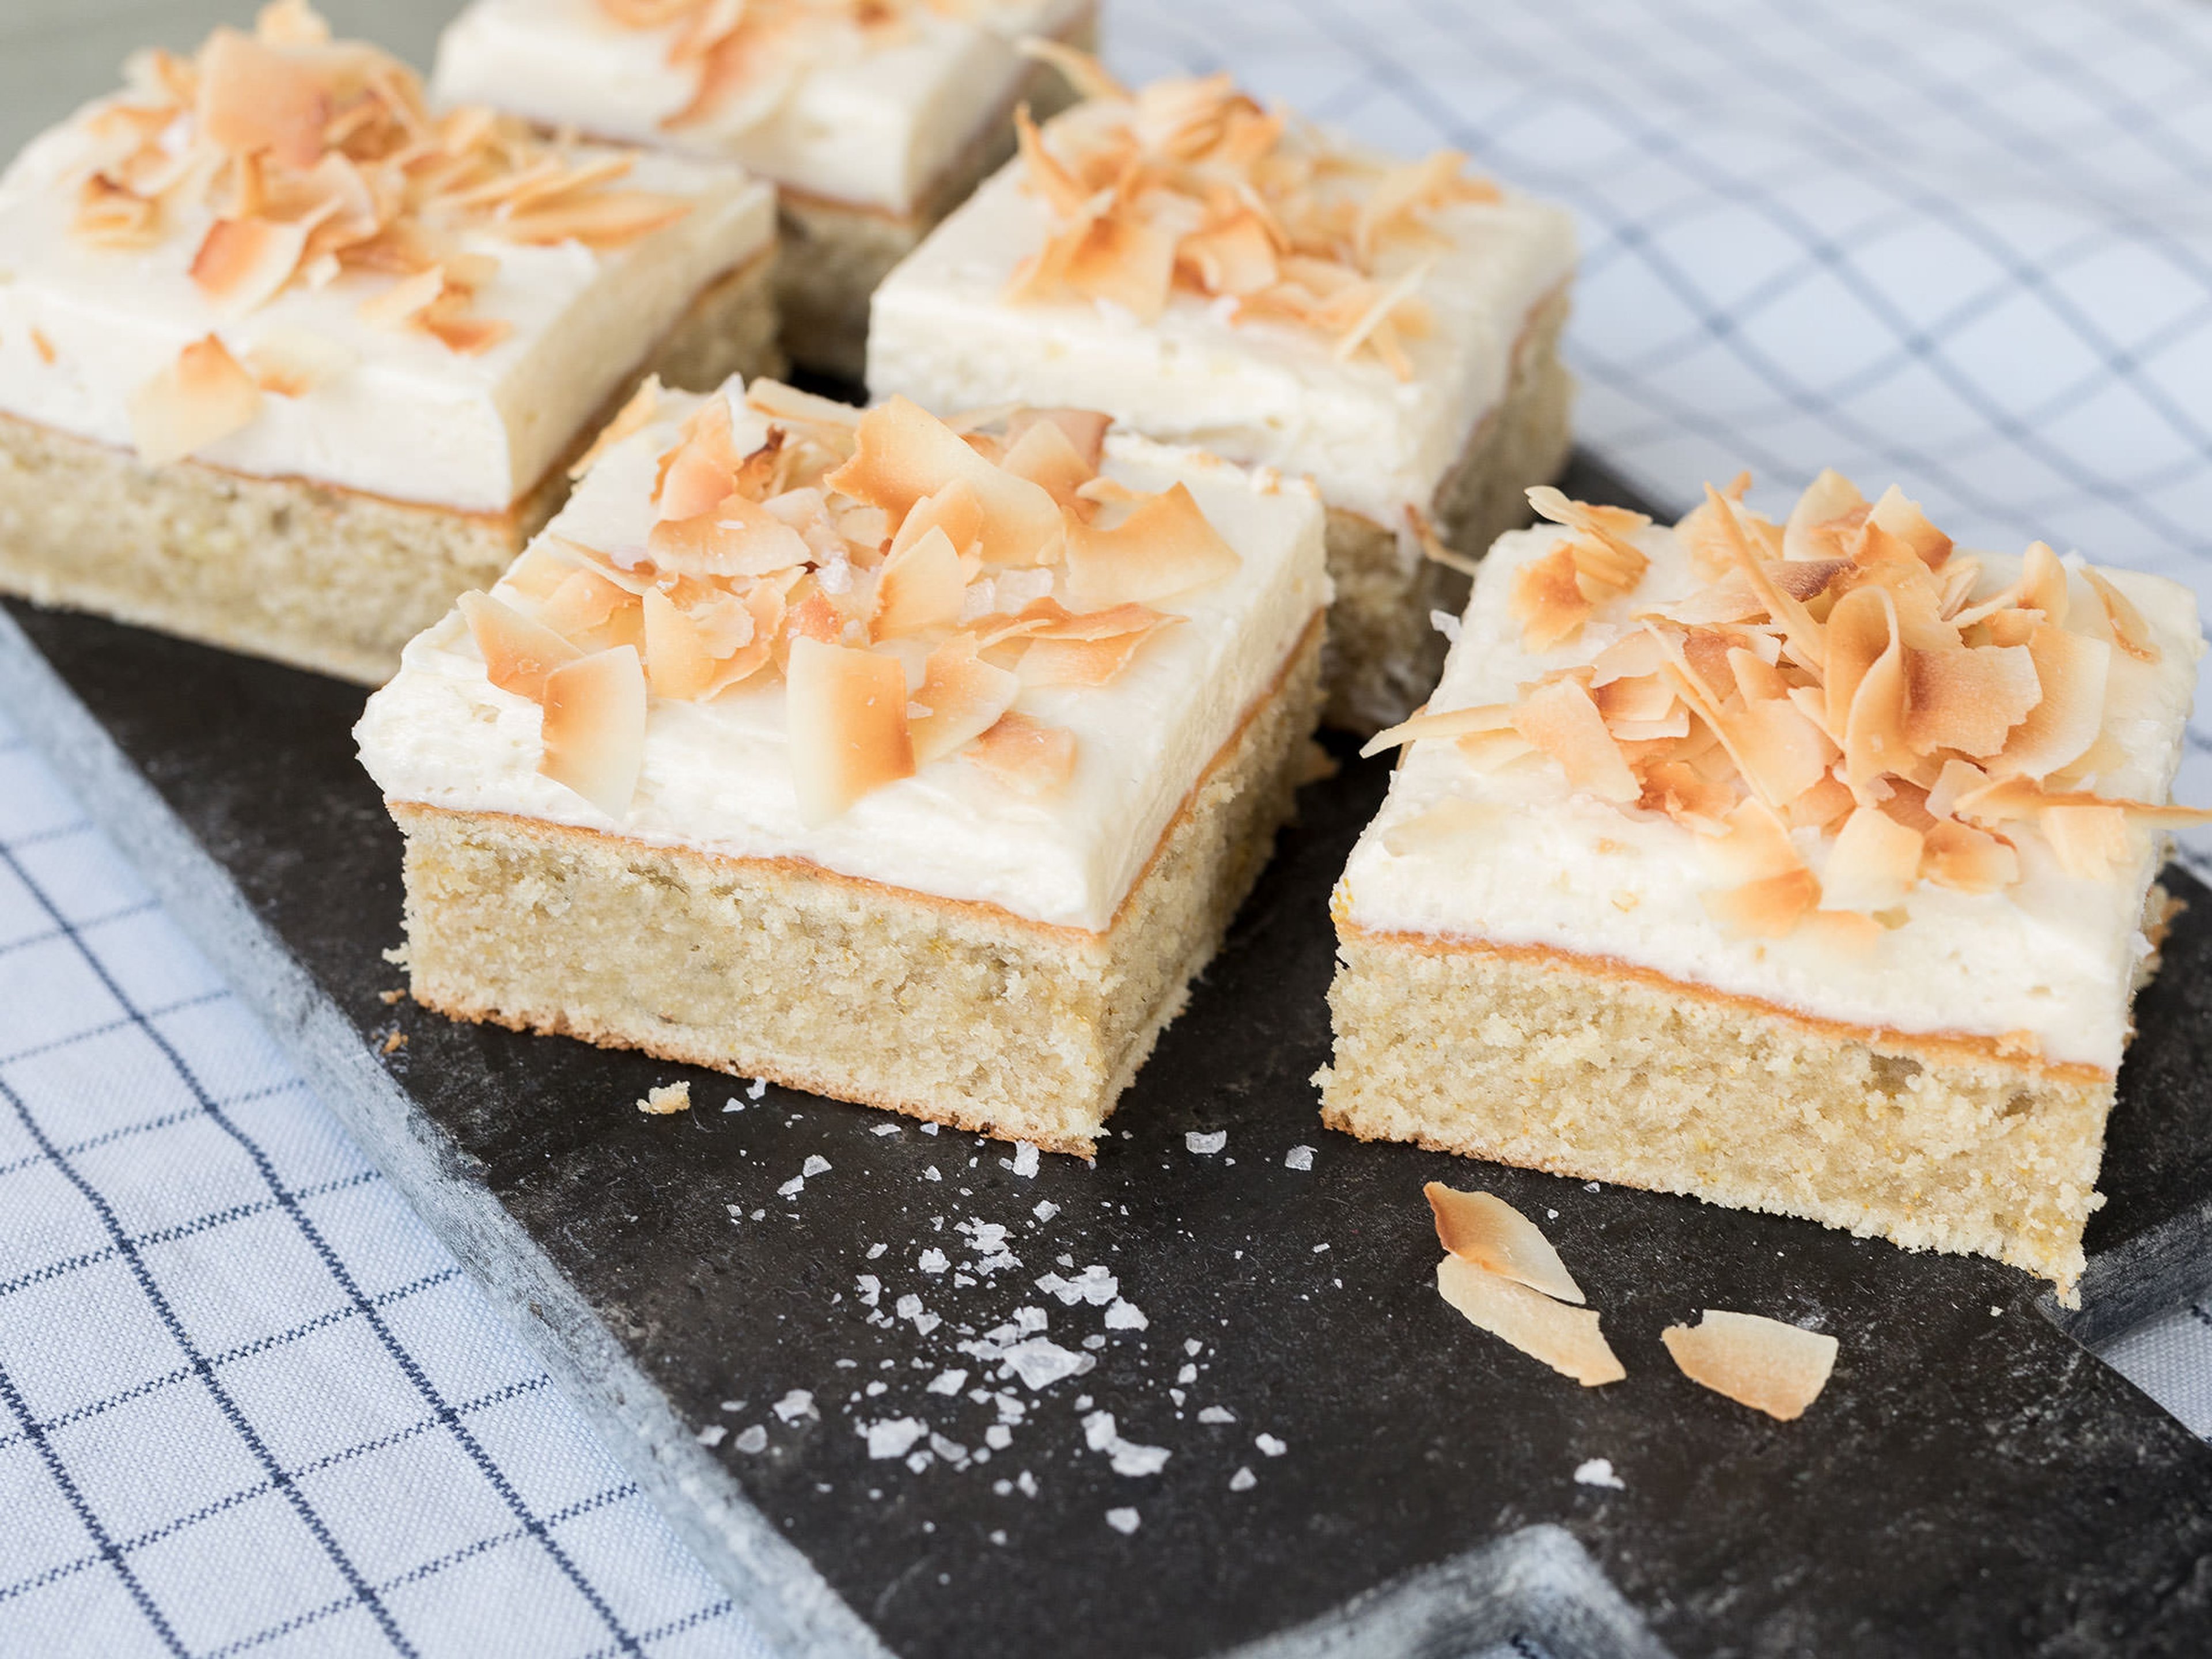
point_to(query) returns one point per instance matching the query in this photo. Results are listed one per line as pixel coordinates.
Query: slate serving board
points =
(1974, 1480)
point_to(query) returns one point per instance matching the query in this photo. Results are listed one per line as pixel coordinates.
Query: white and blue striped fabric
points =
(249, 1405)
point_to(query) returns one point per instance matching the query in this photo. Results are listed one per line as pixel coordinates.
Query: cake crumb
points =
(1122, 1521)
(395, 1042)
(1598, 1472)
(387, 997)
(666, 1100)
(1298, 1158)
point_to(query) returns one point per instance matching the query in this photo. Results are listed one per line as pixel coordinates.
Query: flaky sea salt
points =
(1216, 1414)
(795, 1405)
(792, 1188)
(814, 1166)
(932, 1262)
(759, 1088)
(1270, 1445)
(1298, 1158)
(1025, 1161)
(894, 1436)
(948, 1382)
(1243, 1480)
(1206, 1145)
(1598, 1472)
(1122, 1521)
(752, 1441)
(1124, 1317)
(712, 1435)
(1040, 1361)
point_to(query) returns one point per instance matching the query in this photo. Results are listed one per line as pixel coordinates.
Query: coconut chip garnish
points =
(1757, 1362)
(906, 577)
(321, 162)
(1193, 188)
(1832, 712)
(1504, 1277)
(744, 55)
(1566, 1339)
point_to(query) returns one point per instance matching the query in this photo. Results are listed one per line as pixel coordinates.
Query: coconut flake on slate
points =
(1485, 1230)
(1757, 1362)
(1566, 1339)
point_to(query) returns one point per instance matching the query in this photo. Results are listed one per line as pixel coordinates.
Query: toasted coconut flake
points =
(1070, 661)
(1484, 1229)
(955, 511)
(1873, 865)
(252, 98)
(611, 219)
(2072, 670)
(1560, 719)
(1450, 723)
(678, 663)
(701, 470)
(519, 652)
(292, 361)
(2130, 631)
(847, 725)
(1966, 860)
(2090, 843)
(1761, 1362)
(1084, 428)
(965, 697)
(1903, 518)
(1046, 456)
(1164, 547)
(1968, 698)
(921, 588)
(594, 728)
(242, 262)
(904, 453)
(1813, 530)
(405, 301)
(1566, 1339)
(1548, 601)
(633, 418)
(738, 538)
(199, 399)
(1026, 755)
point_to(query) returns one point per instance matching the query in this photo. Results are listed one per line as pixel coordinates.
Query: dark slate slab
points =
(1973, 1479)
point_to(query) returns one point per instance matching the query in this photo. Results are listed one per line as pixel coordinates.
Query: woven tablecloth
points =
(248, 1404)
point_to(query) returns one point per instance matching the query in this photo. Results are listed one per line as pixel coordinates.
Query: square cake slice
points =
(871, 120)
(1804, 868)
(915, 764)
(286, 363)
(1213, 273)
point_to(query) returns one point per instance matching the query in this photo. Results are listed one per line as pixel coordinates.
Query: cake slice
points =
(1211, 272)
(873, 118)
(913, 765)
(1804, 868)
(286, 363)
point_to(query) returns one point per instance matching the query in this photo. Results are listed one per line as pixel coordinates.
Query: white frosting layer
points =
(1264, 393)
(409, 419)
(870, 121)
(716, 778)
(2054, 956)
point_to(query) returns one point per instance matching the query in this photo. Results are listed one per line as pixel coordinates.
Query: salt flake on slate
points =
(1122, 1521)
(930, 1174)
(932, 1262)
(948, 1382)
(1124, 1317)
(792, 1188)
(1298, 1158)
(759, 1088)
(795, 1405)
(1269, 1444)
(894, 1436)
(929, 1128)
(1598, 1472)
(918, 1462)
(1243, 1480)
(1187, 1374)
(1024, 1162)
(1045, 1209)
(1206, 1145)
(1028, 1483)
(1040, 1361)
(1216, 1414)
(998, 1436)
(713, 1433)
(814, 1166)
(752, 1440)
(885, 1129)
(872, 1289)
(875, 1250)
(1098, 1431)
(1192, 1346)
(950, 1450)
(1129, 1458)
